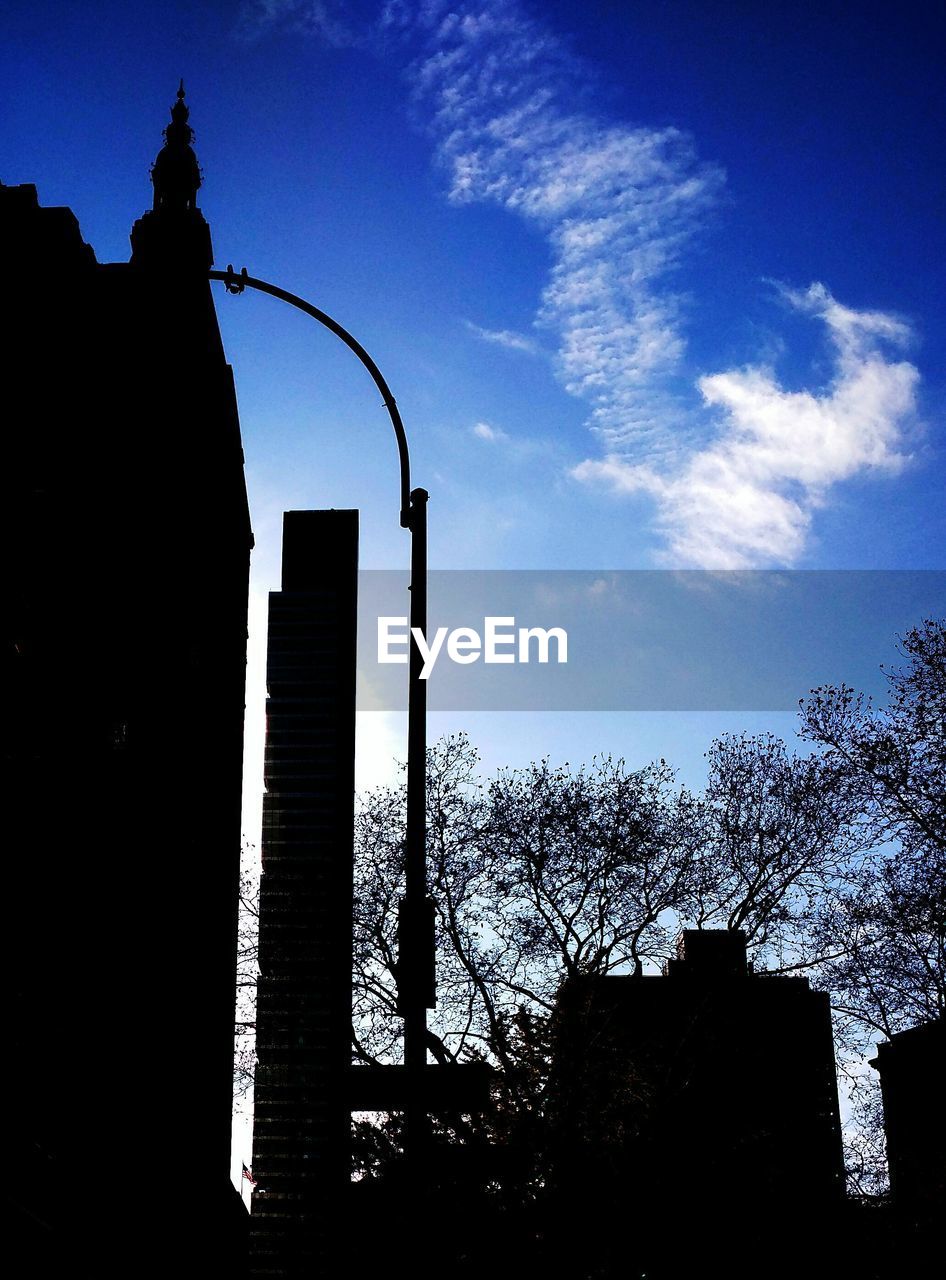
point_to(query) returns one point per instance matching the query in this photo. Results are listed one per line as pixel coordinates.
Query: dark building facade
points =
(301, 1138)
(126, 543)
(696, 1110)
(912, 1068)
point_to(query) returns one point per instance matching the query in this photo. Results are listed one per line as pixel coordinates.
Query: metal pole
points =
(415, 926)
(416, 973)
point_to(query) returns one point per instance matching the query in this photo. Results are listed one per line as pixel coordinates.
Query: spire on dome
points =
(173, 236)
(175, 173)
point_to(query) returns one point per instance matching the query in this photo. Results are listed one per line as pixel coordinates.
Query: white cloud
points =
(747, 498)
(617, 206)
(507, 338)
(483, 431)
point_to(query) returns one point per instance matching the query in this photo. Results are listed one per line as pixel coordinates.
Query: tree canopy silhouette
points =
(832, 863)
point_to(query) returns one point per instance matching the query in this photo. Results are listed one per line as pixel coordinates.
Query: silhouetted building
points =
(301, 1136)
(126, 539)
(695, 1113)
(912, 1068)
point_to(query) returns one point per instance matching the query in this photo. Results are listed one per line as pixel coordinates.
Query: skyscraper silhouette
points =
(127, 538)
(301, 1156)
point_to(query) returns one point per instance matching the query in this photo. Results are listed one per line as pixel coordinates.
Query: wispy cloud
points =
(616, 204)
(507, 338)
(747, 498)
(327, 20)
(738, 469)
(483, 431)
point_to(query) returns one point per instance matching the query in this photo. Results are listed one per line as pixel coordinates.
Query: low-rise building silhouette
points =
(694, 1107)
(912, 1068)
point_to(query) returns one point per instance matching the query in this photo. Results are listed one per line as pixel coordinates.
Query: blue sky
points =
(655, 284)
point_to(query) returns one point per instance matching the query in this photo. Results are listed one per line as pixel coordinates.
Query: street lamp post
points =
(416, 957)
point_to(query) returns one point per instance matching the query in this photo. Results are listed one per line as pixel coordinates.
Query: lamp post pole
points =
(415, 976)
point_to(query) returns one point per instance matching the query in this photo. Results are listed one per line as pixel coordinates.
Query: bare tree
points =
(883, 926)
(776, 830)
(244, 1056)
(833, 863)
(539, 874)
(896, 754)
(889, 917)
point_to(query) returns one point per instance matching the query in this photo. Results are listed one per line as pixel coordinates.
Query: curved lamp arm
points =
(416, 962)
(237, 283)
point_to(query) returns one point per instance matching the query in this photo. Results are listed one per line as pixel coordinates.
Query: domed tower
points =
(175, 172)
(174, 233)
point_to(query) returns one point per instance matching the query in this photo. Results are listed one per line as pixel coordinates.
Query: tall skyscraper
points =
(126, 540)
(301, 1157)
